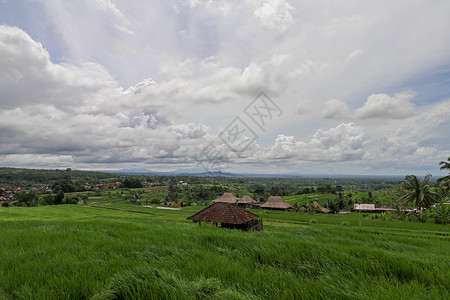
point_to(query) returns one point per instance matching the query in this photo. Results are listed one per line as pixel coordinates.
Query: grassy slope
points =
(82, 252)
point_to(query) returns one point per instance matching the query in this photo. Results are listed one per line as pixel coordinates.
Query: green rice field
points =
(142, 252)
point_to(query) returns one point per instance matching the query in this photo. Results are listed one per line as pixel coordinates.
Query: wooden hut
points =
(226, 198)
(246, 201)
(229, 216)
(276, 202)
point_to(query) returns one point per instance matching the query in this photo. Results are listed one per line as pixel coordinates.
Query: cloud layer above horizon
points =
(363, 87)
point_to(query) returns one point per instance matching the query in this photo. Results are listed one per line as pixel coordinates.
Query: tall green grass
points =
(76, 252)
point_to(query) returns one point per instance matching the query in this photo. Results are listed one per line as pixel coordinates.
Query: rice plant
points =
(79, 252)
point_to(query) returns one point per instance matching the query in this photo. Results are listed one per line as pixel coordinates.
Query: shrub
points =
(71, 200)
(154, 201)
(59, 197)
(419, 217)
(134, 201)
(441, 214)
(27, 198)
(48, 200)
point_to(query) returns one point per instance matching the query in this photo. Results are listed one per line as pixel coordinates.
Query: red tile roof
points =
(223, 213)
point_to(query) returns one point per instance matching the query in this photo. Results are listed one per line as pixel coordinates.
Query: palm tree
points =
(441, 214)
(445, 181)
(418, 193)
(445, 165)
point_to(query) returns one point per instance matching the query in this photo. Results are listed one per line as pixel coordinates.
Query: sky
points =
(248, 86)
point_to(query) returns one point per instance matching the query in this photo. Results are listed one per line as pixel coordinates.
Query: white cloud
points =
(120, 21)
(107, 5)
(140, 86)
(78, 111)
(285, 147)
(348, 25)
(336, 109)
(190, 130)
(275, 14)
(210, 59)
(344, 142)
(269, 75)
(401, 142)
(387, 107)
(29, 77)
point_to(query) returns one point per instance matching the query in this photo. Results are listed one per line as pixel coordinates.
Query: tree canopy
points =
(418, 192)
(67, 186)
(445, 181)
(131, 182)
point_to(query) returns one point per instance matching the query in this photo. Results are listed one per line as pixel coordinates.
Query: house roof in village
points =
(322, 209)
(223, 213)
(276, 202)
(364, 206)
(246, 199)
(226, 198)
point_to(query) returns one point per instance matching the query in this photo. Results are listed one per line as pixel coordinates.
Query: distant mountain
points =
(201, 172)
(215, 173)
(8, 175)
(142, 171)
(181, 172)
(135, 171)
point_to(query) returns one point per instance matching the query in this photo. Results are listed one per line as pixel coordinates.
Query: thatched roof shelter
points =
(276, 202)
(247, 202)
(226, 198)
(246, 199)
(229, 215)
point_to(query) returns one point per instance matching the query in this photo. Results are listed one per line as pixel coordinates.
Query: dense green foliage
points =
(27, 198)
(131, 182)
(30, 177)
(418, 193)
(445, 181)
(82, 252)
(67, 186)
(115, 244)
(32, 198)
(266, 186)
